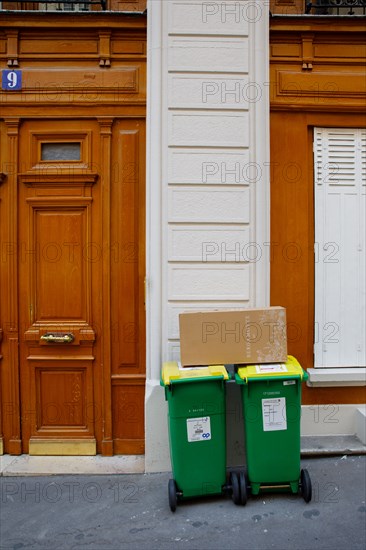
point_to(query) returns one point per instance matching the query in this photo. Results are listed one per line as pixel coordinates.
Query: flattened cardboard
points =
(247, 336)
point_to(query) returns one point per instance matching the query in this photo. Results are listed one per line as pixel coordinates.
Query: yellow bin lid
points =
(171, 371)
(290, 368)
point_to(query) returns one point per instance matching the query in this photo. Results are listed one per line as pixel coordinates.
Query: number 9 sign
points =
(11, 80)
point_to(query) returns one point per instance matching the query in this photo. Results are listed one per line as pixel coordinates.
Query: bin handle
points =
(263, 378)
(195, 379)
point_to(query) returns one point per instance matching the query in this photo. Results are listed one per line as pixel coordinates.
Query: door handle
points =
(58, 338)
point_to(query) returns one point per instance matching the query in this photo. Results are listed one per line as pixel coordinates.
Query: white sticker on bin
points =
(262, 369)
(184, 369)
(274, 414)
(199, 429)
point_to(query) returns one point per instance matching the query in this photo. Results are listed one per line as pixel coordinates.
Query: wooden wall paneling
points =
(141, 231)
(128, 248)
(55, 43)
(1, 385)
(290, 227)
(127, 274)
(128, 422)
(317, 67)
(2, 178)
(11, 382)
(72, 79)
(105, 171)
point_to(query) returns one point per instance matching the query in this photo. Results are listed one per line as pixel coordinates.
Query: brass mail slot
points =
(58, 338)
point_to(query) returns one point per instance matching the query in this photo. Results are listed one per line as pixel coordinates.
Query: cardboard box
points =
(246, 336)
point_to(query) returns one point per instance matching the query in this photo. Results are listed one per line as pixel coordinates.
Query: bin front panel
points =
(197, 436)
(272, 412)
(199, 467)
(191, 398)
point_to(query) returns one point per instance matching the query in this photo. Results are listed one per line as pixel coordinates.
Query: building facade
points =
(137, 182)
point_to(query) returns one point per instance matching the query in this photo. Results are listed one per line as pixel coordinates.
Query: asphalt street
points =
(116, 512)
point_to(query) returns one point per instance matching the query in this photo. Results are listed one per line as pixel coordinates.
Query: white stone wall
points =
(208, 175)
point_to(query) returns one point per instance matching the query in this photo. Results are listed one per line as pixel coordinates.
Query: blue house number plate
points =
(11, 80)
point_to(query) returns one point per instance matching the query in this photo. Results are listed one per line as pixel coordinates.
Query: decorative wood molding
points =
(12, 129)
(105, 48)
(15, 443)
(105, 124)
(48, 178)
(12, 125)
(317, 66)
(104, 20)
(307, 51)
(321, 84)
(12, 48)
(128, 379)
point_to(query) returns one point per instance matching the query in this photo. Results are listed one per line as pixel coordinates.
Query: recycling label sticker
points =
(271, 368)
(199, 429)
(274, 414)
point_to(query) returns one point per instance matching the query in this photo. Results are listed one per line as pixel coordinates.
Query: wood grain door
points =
(72, 317)
(59, 272)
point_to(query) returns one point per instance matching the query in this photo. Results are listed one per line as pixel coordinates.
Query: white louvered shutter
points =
(340, 274)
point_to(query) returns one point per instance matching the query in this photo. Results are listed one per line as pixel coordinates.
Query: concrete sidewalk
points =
(114, 512)
(26, 465)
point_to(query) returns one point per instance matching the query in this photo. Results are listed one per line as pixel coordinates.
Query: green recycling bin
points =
(197, 430)
(271, 399)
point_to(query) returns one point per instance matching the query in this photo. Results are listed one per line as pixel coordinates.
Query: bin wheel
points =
(243, 488)
(234, 480)
(305, 485)
(172, 492)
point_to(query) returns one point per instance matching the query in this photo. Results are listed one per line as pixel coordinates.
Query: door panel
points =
(127, 195)
(127, 288)
(52, 227)
(58, 289)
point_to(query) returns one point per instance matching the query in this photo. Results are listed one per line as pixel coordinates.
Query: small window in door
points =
(61, 151)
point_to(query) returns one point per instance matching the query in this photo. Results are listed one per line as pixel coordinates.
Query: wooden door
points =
(72, 209)
(59, 269)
